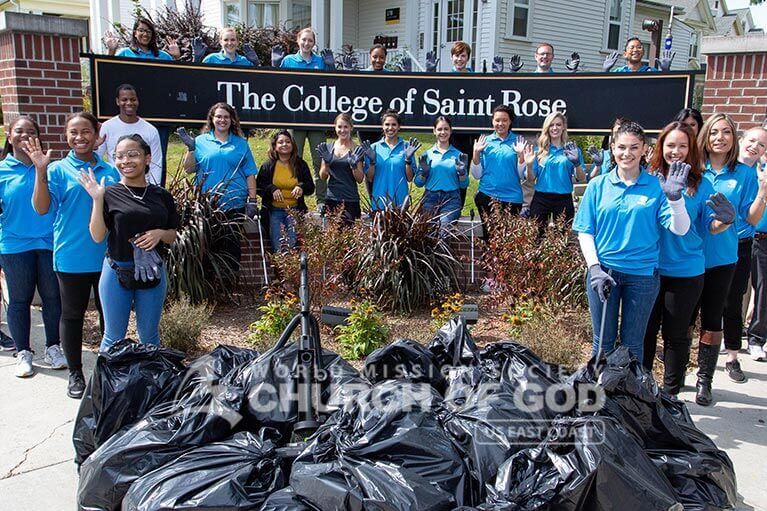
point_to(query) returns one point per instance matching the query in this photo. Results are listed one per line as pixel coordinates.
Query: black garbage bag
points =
(587, 463)
(453, 344)
(127, 381)
(404, 360)
(211, 368)
(234, 474)
(384, 451)
(206, 413)
(286, 500)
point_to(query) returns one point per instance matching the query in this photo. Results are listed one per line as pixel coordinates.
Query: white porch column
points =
(336, 24)
(318, 23)
(99, 23)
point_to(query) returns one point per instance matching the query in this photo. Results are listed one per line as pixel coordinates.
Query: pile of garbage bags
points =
(447, 426)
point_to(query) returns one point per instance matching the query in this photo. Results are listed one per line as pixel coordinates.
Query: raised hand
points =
(251, 55)
(596, 155)
(722, 209)
(199, 49)
(761, 175)
(610, 61)
(171, 46)
(324, 152)
(665, 60)
(573, 62)
(94, 188)
(186, 138)
(480, 144)
(676, 182)
(411, 146)
(278, 53)
(110, 41)
(328, 58)
(368, 150)
(349, 62)
(497, 64)
(431, 62)
(516, 63)
(600, 282)
(356, 155)
(519, 145)
(529, 155)
(461, 164)
(406, 65)
(572, 154)
(41, 159)
(424, 167)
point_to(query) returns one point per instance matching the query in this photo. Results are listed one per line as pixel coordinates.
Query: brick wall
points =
(736, 79)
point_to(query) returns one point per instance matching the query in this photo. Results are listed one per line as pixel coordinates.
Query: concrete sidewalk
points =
(36, 420)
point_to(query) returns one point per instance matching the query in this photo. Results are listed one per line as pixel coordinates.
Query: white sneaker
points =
(757, 353)
(54, 358)
(24, 364)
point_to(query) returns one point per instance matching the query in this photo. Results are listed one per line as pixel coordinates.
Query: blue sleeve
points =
(209, 59)
(54, 184)
(537, 168)
(585, 217)
(124, 52)
(748, 194)
(581, 162)
(664, 209)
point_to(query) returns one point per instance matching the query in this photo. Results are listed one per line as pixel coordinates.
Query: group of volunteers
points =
(666, 237)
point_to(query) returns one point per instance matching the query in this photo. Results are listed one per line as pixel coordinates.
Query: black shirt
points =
(126, 216)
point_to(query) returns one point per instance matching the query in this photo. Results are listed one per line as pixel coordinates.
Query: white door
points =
(451, 22)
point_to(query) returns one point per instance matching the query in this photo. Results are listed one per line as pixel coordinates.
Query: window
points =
(231, 13)
(694, 45)
(614, 25)
(474, 15)
(435, 29)
(454, 21)
(263, 14)
(302, 13)
(518, 18)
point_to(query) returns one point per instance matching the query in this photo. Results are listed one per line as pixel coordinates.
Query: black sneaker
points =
(76, 386)
(734, 371)
(6, 343)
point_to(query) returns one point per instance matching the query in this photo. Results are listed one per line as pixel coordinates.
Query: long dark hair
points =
(152, 40)
(8, 148)
(659, 163)
(233, 127)
(690, 112)
(274, 157)
(631, 128)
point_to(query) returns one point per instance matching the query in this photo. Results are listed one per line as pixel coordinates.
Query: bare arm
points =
(357, 172)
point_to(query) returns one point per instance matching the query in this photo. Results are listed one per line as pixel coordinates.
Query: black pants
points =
(227, 241)
(464, 142)
(545, 205)
(732, 316)
(75, 289)
(483, 203)
(716, 285)
(757, 330)
(671, 314)
(351, 209)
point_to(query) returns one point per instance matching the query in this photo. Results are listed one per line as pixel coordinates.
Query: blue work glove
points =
(676, 182)
(349, 62)
(610, 61)
(406, 65)
(186, 138)
(424, 167)
(600, 282)
(199, 49)
(411, 147)
(497, 64)
(278, 53)
(356, 155)
(571, 153)
(596, 155)
(431, 62)
(251, 55)
(461, 163)
(328, 58)
(665, 60)
(516, 63)
(146, 264)
(573, 62)
(368, 150)
(251, 209)
(723, 210)
(324, 152)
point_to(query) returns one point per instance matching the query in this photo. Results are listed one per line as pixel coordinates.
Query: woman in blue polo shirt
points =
(224, 168)
(389, 164)
(26, 250)
(682, 262)
(618, 224)
(553, 167)
(77, 259)
(228, 55)
(441, 170)
(143, 43)
(738, 183)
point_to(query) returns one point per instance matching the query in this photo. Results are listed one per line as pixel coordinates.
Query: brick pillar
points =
(40, 72)
(736, 78)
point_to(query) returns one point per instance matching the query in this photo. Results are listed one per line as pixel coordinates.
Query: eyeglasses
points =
(143, 31)
(545, 54)
(126, 155)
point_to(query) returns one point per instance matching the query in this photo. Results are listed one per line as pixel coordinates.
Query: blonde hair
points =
(544, 140)
(227, 29)
(307, 29)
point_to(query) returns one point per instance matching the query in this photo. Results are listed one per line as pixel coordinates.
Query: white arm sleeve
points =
(154, 174)
(476, 170)
(589, 248)
(680, 220)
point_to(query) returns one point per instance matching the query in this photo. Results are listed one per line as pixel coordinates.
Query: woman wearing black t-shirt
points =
(341, 166)
(139, 220)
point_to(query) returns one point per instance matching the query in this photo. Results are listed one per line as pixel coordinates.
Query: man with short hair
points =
(544, 56)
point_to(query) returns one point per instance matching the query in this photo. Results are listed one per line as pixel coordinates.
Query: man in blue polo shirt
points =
(634, 53)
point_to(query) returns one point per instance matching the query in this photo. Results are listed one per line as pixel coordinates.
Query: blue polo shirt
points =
(745, 229)
(739, 186)
(296, 61)
(390, 185)
(682, 256)
(443, 176)
(141, 54)
(625, 221)
(556, 173)
(21, 228)
(644, 69)
(551, 70)
(221, 59)
(500, 179)
(74, 251)
(223, 168)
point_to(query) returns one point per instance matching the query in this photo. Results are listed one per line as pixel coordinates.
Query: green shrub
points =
(364, 332)
(182, 322)
(276, 313)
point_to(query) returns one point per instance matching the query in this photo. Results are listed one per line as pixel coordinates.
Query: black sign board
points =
(181, 93)
(392, 15)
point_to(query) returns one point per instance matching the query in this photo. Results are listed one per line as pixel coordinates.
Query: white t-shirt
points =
(115, 128)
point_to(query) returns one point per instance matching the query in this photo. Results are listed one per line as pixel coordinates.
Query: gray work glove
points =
(324, 152)
(516, 63)
(199, 49)
(368, 150)
(146, 264)
(424, 167)
(665, 60)
(328, 58)
(278, 53)
(723, 210)
(497, 64)
(251, 55)
(406, 65)
(251, 209)
(571, 153)
(411, 146)
(600, 282)
(349, 62)
(573, 62)
(461, 163)
(610, 61)
(676, 182)
(356, 155)
(596, 155)
(186, 138)
(431, 62)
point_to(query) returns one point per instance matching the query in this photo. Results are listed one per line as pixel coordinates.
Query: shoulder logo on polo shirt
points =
(642, 200)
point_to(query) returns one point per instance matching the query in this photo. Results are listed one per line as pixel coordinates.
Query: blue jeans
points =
(23, 272)
(117, 302)
(634, 296)
(445, 205)
(280, 218)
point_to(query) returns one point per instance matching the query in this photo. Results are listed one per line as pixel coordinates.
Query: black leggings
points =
(545, 205)
(671, 314)
(351, 209)
(483, 203)
(75, 289)
(732, 317)
(716, 286)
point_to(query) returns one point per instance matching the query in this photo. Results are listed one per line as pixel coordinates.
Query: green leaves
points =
(364, 332)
